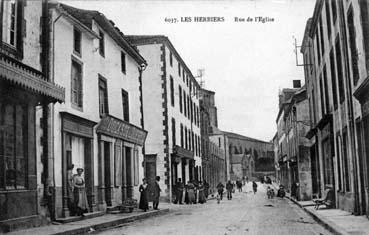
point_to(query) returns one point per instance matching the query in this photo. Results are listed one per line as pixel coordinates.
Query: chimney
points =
(296, 83)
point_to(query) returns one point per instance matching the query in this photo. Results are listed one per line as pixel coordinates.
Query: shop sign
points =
(117, 128)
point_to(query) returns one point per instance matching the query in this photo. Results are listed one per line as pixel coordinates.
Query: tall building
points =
(291, 145)
(171, 114)
(212, 154)
(25, 87)
(100, 126)
(335, 59)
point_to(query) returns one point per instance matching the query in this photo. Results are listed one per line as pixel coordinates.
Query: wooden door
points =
(150, 172)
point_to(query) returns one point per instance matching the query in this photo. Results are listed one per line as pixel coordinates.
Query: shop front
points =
(23, 90)
(77, 152)
(119, 144)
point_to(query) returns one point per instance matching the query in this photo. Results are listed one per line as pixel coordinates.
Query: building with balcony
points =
(25, 88)
(171, 114)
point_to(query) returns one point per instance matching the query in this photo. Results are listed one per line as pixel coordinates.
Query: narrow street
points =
(246, 213)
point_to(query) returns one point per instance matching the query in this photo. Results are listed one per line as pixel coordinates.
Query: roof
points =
(207, 91)
(238, 136)
(317, 10)
(138, 40)
(87, 16)
(306, 35)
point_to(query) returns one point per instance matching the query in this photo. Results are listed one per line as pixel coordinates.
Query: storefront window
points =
(13, 162)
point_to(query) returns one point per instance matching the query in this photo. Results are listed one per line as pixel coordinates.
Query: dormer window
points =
(101, 44)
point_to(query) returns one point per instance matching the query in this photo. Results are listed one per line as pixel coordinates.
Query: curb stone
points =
(330, 226)
(111, 224)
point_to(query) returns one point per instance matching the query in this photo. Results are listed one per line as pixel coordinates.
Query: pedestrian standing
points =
(239, 186)
(156, 193)
(202, 198)
(144, 202)
(254, 186)
(229, 187)
(191, 192)
(206, 189)
(79, 193)
(179, 191)
(71, 205)
(220, 188)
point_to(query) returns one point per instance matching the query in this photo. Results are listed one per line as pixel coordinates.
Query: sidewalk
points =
(94, 224)
(337, 221)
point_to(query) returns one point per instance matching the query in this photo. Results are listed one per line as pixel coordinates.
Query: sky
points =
(245, 63)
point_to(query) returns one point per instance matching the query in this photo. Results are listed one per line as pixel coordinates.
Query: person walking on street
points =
(156, 193)
(220, 188)
(144, 202)
(254, 186)
(239, 185)
(229, 187)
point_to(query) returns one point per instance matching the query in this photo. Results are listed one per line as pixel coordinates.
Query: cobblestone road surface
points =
(247, 213)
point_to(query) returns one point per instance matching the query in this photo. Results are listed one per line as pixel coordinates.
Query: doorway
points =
(150, 172)
(107, 173)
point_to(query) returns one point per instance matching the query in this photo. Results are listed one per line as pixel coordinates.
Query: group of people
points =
(194, 192)
(145, 193)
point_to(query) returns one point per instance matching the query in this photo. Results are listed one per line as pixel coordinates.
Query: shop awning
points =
(28, 78)
(115, 127)
(183, 153)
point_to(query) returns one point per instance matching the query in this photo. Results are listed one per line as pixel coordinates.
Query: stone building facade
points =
(25, 88)
(292, 147)
(171, 114)
(100, 126)
(335, 58)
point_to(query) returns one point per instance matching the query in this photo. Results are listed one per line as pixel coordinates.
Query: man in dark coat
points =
(220, 188)
(179, 191)
(229, 187)
(206, 189)
(156, 193)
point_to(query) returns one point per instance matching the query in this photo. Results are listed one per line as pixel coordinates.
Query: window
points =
(333, 77)
(317, 46)
(179, 69)
(338, 144)
(339, 70)
(219, 143)
(125, 103)
(173, 131)
(183, 73)
(189, 111)
(123, 62)
(196, 145)
(328, 15)
(76, 86)
(13, 146)
(184, 103)
(186, 142)
(77, 41)
(326, 97)
(334, 11)
(171, 59)
(181, 135)
(171, 91)
(180, 98)
(103, 97)
(10, 21)
(321, 96)
(353, 49)
(328, 163)
(101, 44)
(321, 36)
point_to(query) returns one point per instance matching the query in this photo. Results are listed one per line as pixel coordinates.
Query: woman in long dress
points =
(144, 203)
(202, 198)
(80, 197)
(191, 193)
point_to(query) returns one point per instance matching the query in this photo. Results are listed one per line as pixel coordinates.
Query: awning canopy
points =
(115, 127)
(29, 78)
